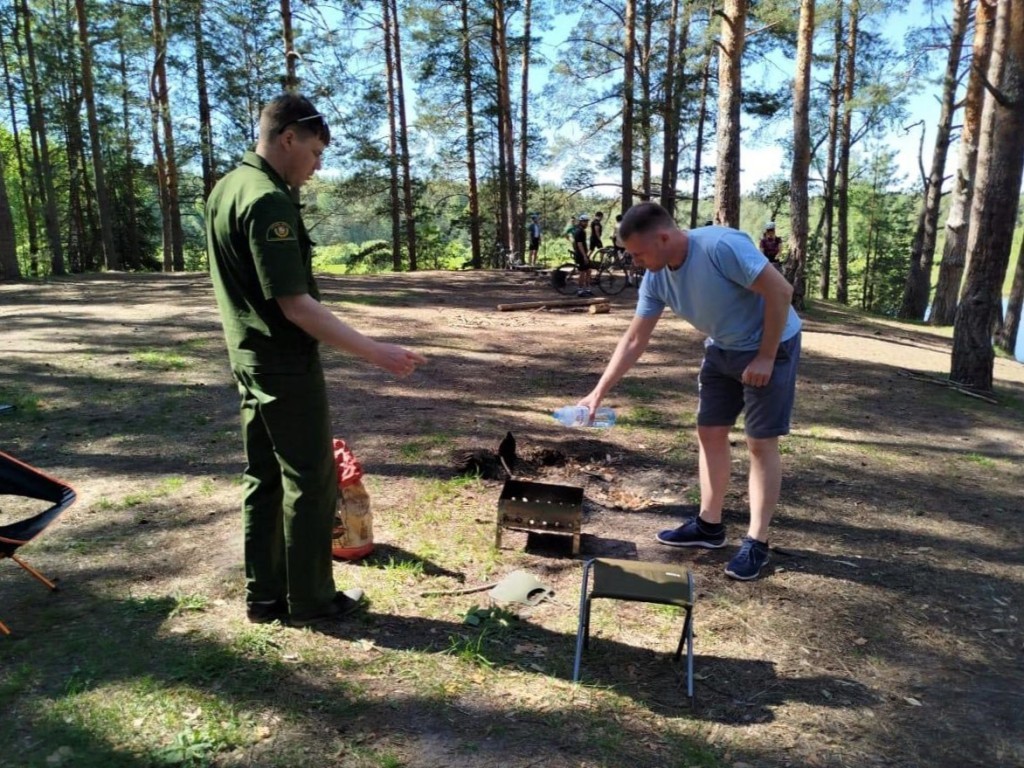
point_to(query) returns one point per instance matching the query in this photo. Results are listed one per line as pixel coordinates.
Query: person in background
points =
(771, 243)
(581, 254)
(596, 231)
(714, 278)
(534, 230)
(616, 240)
(261, 265)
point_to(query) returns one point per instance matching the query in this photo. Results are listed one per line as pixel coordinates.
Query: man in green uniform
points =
(261, 264)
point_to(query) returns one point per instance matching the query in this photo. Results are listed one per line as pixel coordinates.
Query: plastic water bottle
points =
(577, 416)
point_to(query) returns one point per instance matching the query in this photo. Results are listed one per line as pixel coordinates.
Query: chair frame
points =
(583, 630)
(42, 487)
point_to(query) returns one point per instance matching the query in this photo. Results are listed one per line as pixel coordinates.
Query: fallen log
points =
(551, 303)
(598, 309)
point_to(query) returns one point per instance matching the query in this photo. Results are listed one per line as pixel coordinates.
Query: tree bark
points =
(509, 234)
(403, 141)
(28, 194)
(628, 64)
(291, 56)
(669, 117)
(43, 167)
(996, 198)
(954, 251)
(131, 254)
(111, 257)
(467, 97)
(9, 267)
(209, 160)
(524, 128)
(798, 203)
(698, 145)
(828, 208)
(730, 85)
(645, 104)
(393, 183)
(917, 289)
(161, 101)
(845, 141)
(1006, 337)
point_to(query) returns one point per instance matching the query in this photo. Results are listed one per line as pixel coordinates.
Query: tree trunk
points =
(954, 251)
(502, 225)
(131, 254)
(917, 289)
(403, 141)
(43, 168)
(845, 140)
(111, 257)
(28, 195)
(698, 147)
(828, 208)
(9, 267)
(670, 106)
(798, 203)
(393, 185)
(209, 160)
(513, 235)
(291, 57)
(996, 198)
(160, 166)
(1006, 338)
(645, 104)
(524, 126)
(158, 85)
(730, 79)
(467, 97)
(628, 63)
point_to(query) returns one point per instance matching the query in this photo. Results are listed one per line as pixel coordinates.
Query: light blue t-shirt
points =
(711, 290)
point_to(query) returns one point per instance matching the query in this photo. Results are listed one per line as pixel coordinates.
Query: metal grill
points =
(529, 506)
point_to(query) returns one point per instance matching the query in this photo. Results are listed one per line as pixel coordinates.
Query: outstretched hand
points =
(397, 360)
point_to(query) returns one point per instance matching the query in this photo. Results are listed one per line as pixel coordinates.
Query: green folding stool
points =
(643, 583)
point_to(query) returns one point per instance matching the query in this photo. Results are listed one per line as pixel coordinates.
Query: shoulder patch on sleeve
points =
(280, 231)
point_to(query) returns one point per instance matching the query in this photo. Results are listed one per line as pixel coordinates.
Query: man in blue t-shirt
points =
(714, 278)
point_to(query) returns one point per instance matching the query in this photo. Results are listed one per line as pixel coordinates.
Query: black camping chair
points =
(20, 479)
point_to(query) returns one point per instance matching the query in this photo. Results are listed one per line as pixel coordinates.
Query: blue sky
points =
(761, 159)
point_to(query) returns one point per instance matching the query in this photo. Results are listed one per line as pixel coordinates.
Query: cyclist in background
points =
(581, 255)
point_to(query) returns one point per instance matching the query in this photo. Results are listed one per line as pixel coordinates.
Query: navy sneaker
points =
(693, 533)
(748, 562)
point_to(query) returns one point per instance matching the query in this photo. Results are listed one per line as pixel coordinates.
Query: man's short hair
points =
(643, 218)
(290, 110)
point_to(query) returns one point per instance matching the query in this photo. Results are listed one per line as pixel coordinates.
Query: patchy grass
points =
(900, 499)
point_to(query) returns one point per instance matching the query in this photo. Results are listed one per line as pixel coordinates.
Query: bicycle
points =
(565, 278)
(616, 272)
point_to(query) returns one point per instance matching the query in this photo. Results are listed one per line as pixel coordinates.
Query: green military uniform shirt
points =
(259, 250)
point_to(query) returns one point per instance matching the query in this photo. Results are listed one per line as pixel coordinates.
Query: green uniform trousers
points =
(290, 487)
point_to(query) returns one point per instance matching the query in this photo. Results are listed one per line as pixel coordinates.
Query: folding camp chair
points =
(639, 582)
(20, 479)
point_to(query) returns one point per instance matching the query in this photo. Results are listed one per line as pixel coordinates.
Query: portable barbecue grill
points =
(525, 505)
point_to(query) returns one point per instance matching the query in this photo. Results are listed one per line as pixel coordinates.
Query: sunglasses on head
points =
(322, 123)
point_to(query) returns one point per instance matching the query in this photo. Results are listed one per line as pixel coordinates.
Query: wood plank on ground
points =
(552, 303)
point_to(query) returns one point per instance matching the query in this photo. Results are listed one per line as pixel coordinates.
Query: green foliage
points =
(882, 229)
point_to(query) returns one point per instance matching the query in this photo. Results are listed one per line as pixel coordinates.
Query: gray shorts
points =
(723, 395)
